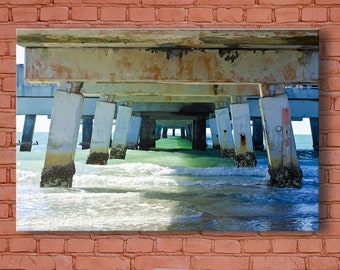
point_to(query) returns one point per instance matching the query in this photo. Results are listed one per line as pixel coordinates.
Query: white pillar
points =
(62, 140)
(214, 133)
(101, 133)
(120, 137)
(284, 169)
(224, 132)
(134, 131)
(244, 150)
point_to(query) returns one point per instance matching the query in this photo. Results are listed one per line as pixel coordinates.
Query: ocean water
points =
(170, 188)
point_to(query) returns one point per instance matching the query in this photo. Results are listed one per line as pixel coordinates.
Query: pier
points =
(175, 79)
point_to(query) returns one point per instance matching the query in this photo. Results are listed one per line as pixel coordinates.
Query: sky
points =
(42, 122)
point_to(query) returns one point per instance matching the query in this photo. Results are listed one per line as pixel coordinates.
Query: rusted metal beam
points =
(184, 65)
(165, 38)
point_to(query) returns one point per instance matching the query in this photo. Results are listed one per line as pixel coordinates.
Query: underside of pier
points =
(203, 74)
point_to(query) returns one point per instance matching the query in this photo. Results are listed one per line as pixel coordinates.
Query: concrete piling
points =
(199, 134)
(102, 132)
(214, 132)
(284, 169)
(120, 137)
(59, 165)
(314, 124)
(224, 129)
(134, 132)
(244, 150)
(27, 133)
(258, 134)
(87, 131)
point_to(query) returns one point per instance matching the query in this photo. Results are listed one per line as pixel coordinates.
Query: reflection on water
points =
(165, 190)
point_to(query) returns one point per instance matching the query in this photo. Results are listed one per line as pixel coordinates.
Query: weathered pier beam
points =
(225, 135)
(314, 124)
(87, 131)
(27, 134)
(244, 150)
(59, 165)
(120, 137)
(134, 132)
(283, 164)
(258, 134)
(102, 131)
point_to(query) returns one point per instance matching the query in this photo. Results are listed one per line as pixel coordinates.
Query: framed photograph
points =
(167, 130)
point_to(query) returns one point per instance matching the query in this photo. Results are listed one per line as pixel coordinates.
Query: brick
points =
(227, 246)
(329, 193)
(7, 157)
(285, 15)
(169, 244)
(5, 103)
(333, 138)
(256, 246)
(7, 227)
(284, 245)
(193, 245)
(51, 245)
(8, 32)
(68, 1)
(3, 49)
(171, 14)
(317, 263)
(309, 245)
(102, 262)
(325, 103)
(335, 14)
(3, 210)
(7, 65)
(9, 84)
(332, 48)
(200, 15)
(12, 176)
(7, 192)
(36, 262)
(139, 245)
(3, 135)
(3, 245)
(328, 228)
(229, 15)
(84, 13)
(334, 176)
(328, 67)
(142, 14)
(226, 3)
(3, 175)
(54, 13)
(327, 2)
(259, 15)
(116, 2)
(110, 245)
(220, 262)
(314, 14)
(334, 211)
(4, 14)
(25, 2)
(24, 14)
(80, 245)
(22, 245)
(278, 263)
(168, 2)
(331, 84)
(63, 262)
(113, 14)
(172, 262)
(332, 245)
(284, 2)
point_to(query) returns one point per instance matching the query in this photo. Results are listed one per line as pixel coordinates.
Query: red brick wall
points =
(192, 250)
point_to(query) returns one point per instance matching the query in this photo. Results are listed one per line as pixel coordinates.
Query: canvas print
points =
(167, 130)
